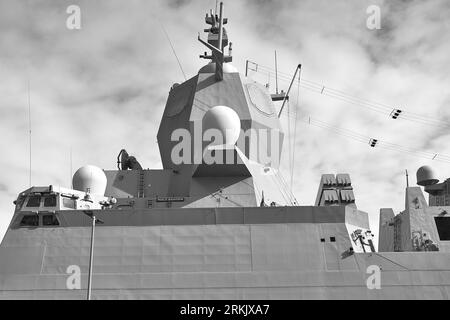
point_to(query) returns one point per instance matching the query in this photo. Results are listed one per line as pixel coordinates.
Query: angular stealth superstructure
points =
(218, 221)
(422, 226)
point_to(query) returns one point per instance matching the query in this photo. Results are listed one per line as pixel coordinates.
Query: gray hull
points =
(278, 260)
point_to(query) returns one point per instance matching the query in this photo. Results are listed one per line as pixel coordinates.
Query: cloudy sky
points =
(104, 87)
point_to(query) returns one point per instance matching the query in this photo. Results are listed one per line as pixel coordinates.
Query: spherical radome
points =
(426, 176)
(90, 179)
(224, 119)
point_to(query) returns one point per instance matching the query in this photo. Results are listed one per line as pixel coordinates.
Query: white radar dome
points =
(426, 176)
(90, 179)
(224, 119)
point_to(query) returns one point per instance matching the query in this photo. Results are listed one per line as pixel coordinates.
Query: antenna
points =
(217, 41)
(71, 175)
(221, 27)
(173, 50)
(407, 179)
(219, 61)
(276, 73)
(29, 124)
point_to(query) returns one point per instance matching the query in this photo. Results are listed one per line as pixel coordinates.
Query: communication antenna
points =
(173, 50)
(71, 175)
(276, 73)
(407, 179)
(29, 125)
(216, 46)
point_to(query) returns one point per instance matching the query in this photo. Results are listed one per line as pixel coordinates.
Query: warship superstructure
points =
(218, 221)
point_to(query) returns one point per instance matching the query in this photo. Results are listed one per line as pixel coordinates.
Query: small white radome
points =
(90, 179)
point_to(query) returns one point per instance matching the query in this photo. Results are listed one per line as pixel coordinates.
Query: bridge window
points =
(30, 221)
(50, 220)
(34, 201)
(69, 203)
(443, 227)
(50, 201)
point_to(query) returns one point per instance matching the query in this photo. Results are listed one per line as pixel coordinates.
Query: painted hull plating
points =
(217, 260)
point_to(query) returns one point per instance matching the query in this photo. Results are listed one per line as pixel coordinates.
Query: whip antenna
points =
(173, 50)
(276, 73)
(29, 126)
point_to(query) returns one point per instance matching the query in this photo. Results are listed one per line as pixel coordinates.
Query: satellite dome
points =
(90, 179)
(226, 120)
(426, 176)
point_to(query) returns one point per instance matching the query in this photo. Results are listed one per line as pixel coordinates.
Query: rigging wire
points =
(379, 143)
(388, 112)
(342, 96)
(384, 144)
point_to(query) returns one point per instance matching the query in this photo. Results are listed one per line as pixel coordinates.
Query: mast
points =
(217, 41)
(219, 60)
